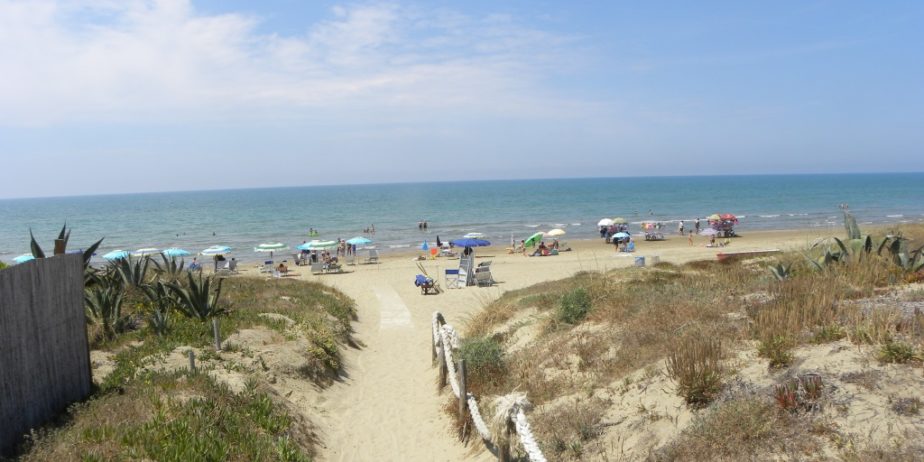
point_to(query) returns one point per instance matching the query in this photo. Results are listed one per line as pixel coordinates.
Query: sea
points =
(501, 210)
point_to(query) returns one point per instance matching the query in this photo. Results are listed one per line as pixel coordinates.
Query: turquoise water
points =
(499, 209)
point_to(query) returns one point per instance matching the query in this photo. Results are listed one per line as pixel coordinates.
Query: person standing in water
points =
(680, 227)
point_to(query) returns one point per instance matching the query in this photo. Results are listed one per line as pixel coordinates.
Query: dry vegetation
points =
(144, 409)
(581, 347)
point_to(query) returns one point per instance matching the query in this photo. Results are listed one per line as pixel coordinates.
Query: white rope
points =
(479, 422)
(450, 364)
(526, 437)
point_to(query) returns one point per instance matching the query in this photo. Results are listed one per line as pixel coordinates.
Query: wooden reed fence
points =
(44, 354)
(510, 413)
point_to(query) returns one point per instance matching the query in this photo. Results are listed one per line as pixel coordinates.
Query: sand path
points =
(387, 406)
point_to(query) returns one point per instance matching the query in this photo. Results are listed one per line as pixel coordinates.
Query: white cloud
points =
(163, 61)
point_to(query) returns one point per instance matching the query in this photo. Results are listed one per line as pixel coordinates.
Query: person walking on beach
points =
(680, 227)
(696, 225)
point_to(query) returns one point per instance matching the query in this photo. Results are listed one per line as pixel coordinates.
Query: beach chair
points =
(373, 256)
(485, 264)
(317, 267)
(453, 278)
(267, 267)
(483, 276)
(351, 259)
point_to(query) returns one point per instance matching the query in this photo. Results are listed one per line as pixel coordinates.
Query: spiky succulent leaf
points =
(36, 248)
(87, 254)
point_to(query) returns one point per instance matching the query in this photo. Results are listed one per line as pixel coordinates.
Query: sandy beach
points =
(387, 406)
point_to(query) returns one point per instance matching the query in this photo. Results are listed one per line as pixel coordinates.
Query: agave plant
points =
(197, 300)
(781, 271)
(133, 272)
(162, 302)
(171, 269)
(105, 306)
(65, 236)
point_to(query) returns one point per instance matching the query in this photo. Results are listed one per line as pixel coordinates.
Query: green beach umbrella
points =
(533, 240)
(270, 247)
(317, 245)
(620, 221)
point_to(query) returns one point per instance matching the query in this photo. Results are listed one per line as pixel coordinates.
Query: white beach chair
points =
(317, 267)
(373, 256)
(483, 276)
(267, 267)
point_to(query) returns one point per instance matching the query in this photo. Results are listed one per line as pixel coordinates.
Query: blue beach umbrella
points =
(116, 255)
(175, 252)
(359, 240)
(23, 258)
(621, 235)
(470, 243)
(216, 250)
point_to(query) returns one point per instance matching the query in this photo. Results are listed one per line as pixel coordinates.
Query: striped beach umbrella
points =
(317, 245)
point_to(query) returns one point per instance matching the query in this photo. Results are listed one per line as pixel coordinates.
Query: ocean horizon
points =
(501, 209)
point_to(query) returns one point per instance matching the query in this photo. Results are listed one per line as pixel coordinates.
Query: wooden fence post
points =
(432, 350)
(463, 398)
(192, 361)
(217, 333)
(444, 371)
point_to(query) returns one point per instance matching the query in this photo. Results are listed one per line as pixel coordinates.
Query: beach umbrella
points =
(216, 250)
(116, 255)
(473, 236)
(621, 235)
(23, 258)
(359, 240)
(425, 246)
(174, 252)
(471, 242)
(557, 232)
(605, 222)
(532, 240)
(145, 251)
(270, 247)
(317, 245)
(708, 232)
(729, 217)
(714, 217)
(620, 221)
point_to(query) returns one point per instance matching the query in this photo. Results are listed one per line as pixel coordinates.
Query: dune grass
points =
(596, 328)
(182, 416)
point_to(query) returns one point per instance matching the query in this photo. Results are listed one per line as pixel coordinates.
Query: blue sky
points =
(109, 96)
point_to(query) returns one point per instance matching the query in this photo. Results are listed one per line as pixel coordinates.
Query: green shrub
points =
(484, 362)
(2, 265)
(896, 352)
(574, 306)
(776, 348)
(695, 364)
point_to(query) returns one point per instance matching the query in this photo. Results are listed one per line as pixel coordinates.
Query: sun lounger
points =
(267, 267)
(317, 267)
(351, 259)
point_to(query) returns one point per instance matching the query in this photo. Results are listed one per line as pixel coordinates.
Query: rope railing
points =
(510, 415)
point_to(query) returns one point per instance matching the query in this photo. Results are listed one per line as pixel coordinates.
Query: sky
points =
(115, 96)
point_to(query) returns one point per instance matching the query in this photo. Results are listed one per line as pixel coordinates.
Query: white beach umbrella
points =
(270, 248)
(557, 232)
(605, 222)
(145, 252)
